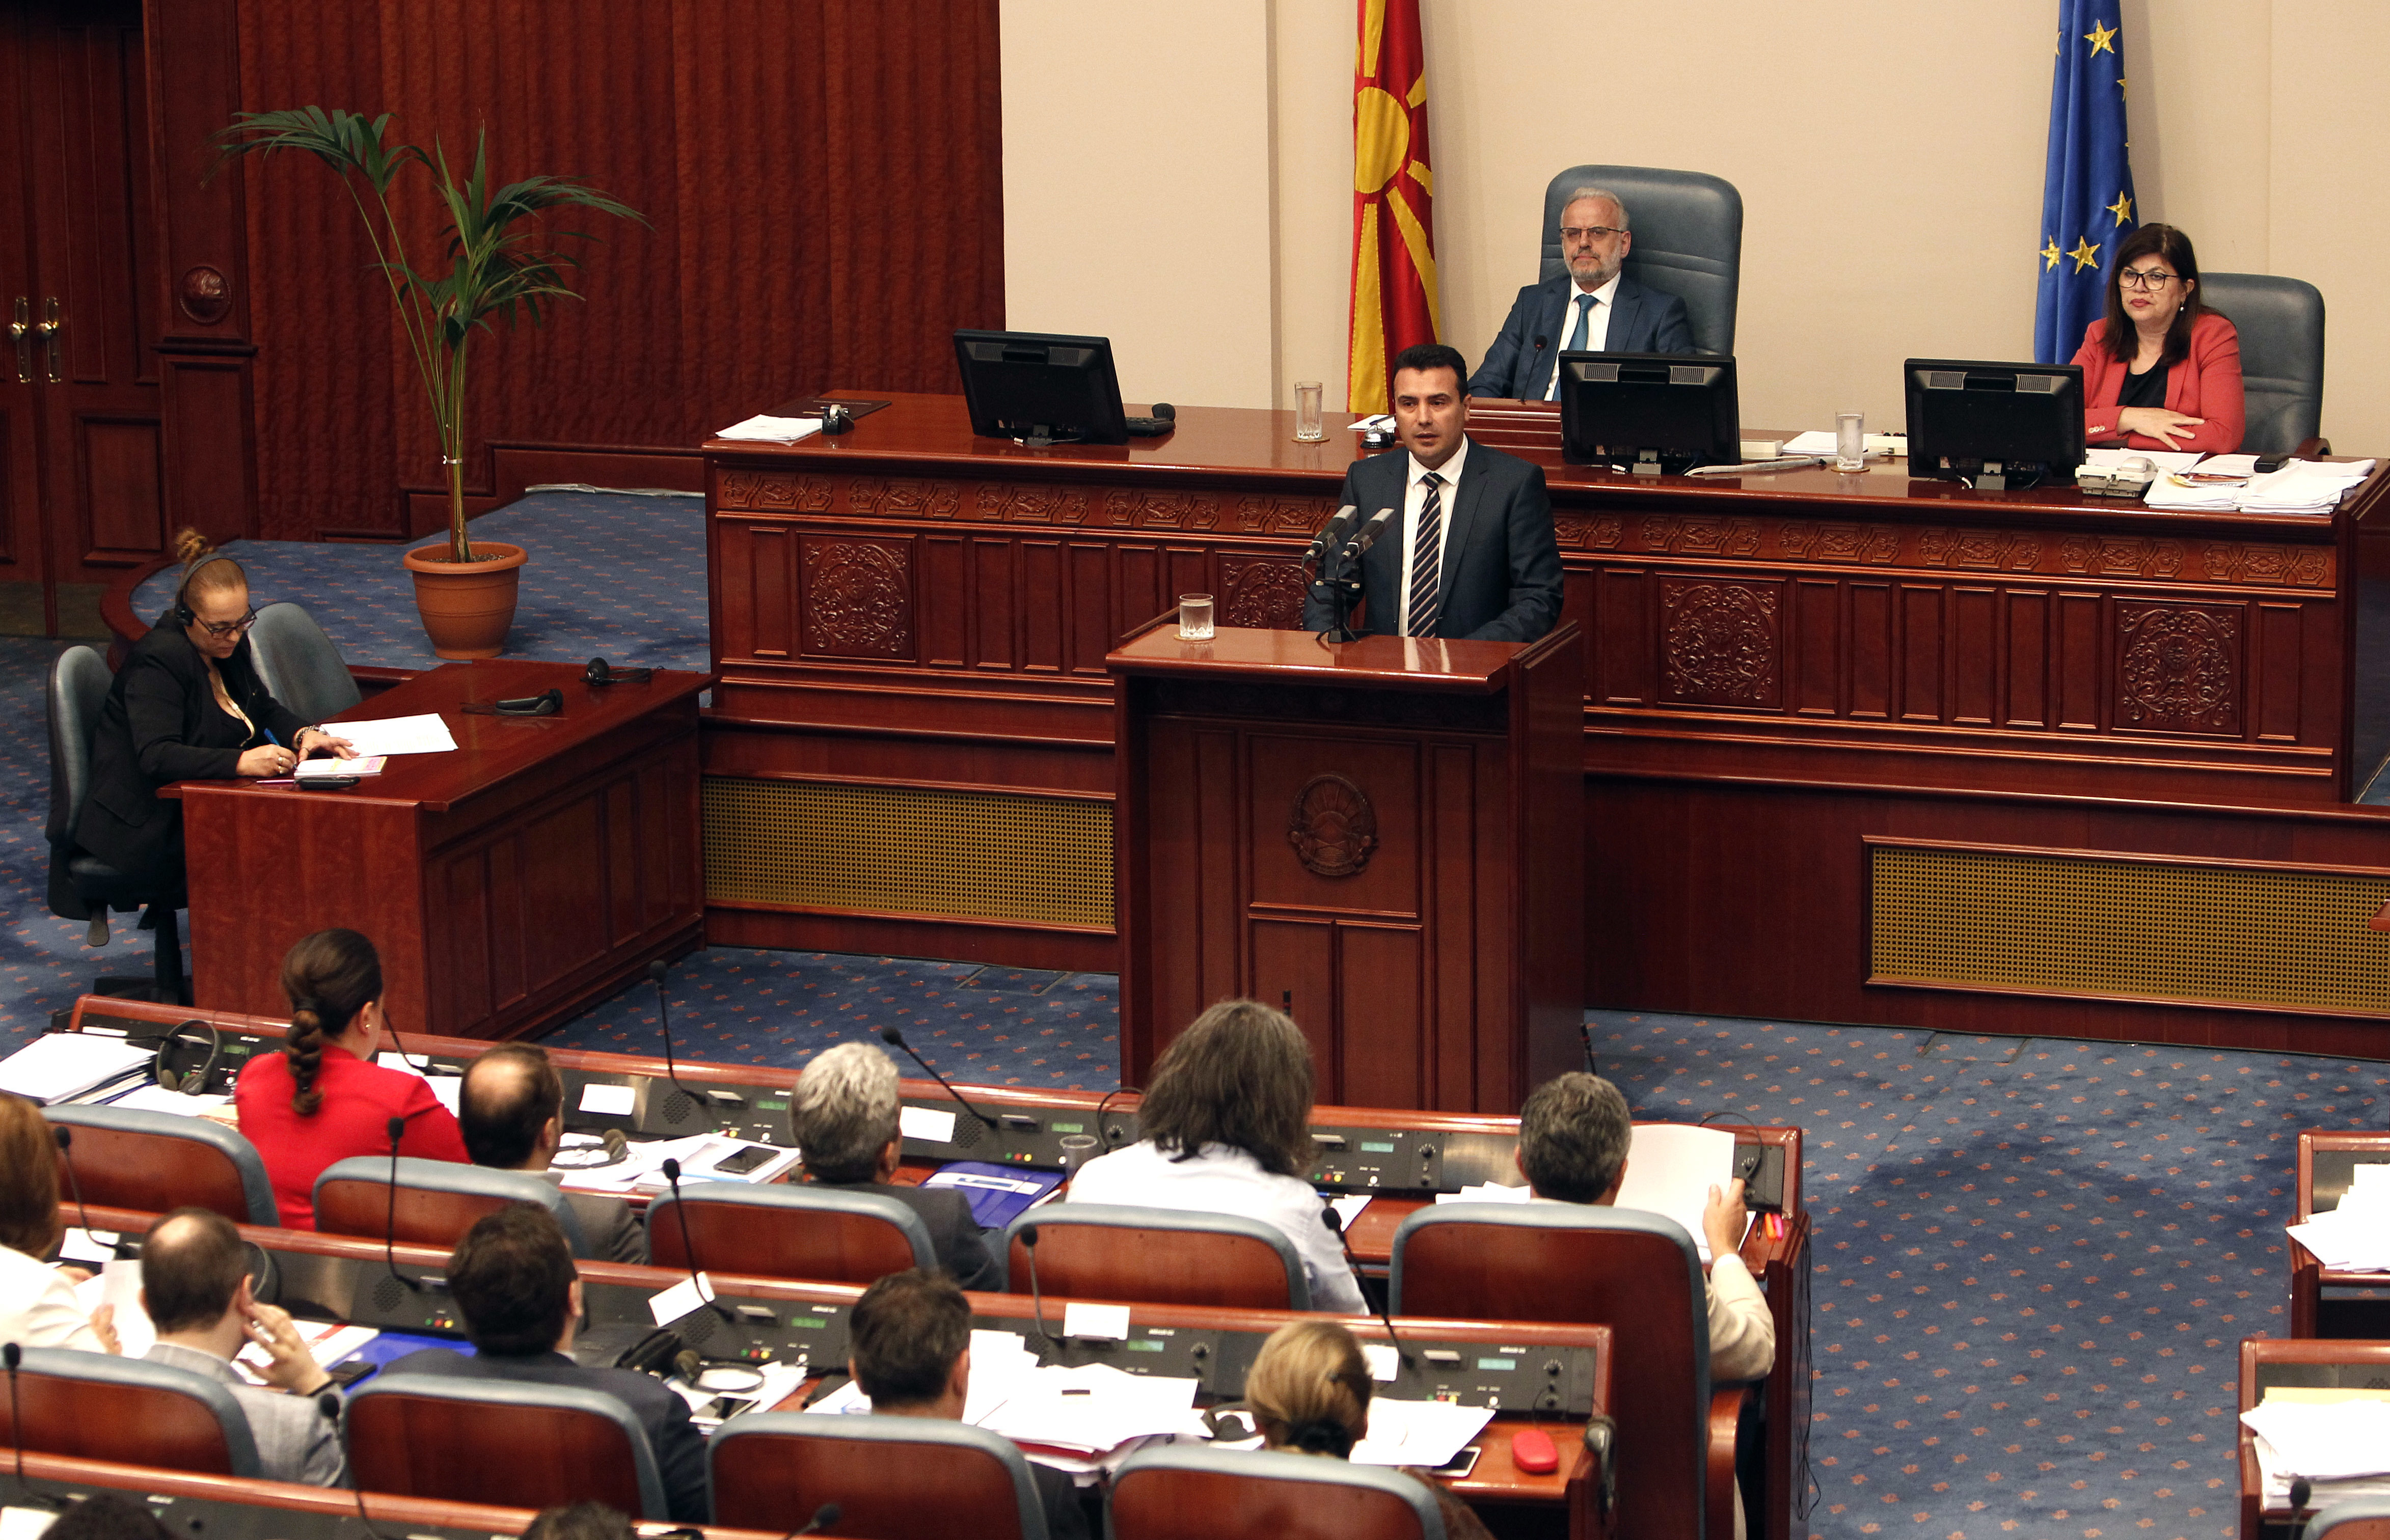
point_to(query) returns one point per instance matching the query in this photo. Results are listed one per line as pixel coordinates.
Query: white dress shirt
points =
(1220, 1180)
(1597, 327)
(1413, 499)
(38, 1307)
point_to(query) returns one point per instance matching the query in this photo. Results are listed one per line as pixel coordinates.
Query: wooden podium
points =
(1387, 834)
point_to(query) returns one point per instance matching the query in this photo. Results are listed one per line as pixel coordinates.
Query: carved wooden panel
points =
(858, 597)
(2178, 668)
(1721, 643)
(1262, 593)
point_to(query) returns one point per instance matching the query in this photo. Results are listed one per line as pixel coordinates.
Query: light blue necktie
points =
(1584, 310)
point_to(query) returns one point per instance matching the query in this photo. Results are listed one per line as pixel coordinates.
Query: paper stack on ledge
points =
(2339, 1440)
(763, 430)
(2304, 486)
(2354, 1238)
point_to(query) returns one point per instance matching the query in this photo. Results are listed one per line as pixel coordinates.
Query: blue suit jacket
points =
(1643, 320)
(1501, 573)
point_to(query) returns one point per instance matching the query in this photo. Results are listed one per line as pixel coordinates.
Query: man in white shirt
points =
(1591, 307)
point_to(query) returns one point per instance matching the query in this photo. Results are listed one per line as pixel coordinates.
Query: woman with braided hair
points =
(323, 1099)
(1308, 1392)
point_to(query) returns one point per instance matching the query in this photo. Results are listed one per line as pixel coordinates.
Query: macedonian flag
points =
(1394, 242)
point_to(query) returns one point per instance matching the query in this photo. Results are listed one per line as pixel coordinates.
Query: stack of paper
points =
(2355, 1237)
(642, 1166)
(763, 430)
(2339, 1440)
(2304, 486)
(62, 1066)
(2213, 487)
(317, 769)
(1670, 1169)
(1424, 1433)
(421, 734)
(1486, 1192)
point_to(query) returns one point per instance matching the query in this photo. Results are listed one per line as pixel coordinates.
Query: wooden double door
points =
(82, 461)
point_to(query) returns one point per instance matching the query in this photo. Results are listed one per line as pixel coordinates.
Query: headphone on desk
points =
(197, 1080)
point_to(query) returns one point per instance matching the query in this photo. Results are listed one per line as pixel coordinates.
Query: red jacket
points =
(2206, 384)
(359, 1101)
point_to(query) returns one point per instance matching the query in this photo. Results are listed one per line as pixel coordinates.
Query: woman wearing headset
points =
(187, 705)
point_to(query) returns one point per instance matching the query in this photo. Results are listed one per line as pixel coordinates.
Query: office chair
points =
(1186, 1492)
(503, 1442)
(81, 886)
(98, 1406)
(300, 665)
(895, 1477)
(1158, 1256)
(2358, 1519)
(1637, 1273)
(785, 1231)
(2281, 322)
(437, 1201)
(1688, 229)
(128, 1158)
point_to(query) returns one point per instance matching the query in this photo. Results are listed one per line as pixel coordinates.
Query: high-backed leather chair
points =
(895, 1478)
(98, 1406)
(299, 664)
(129, 1158)
(502, 1441)
(1158, 1256)
(437, 1201)
(2358, 1519)
(1636, 1273)
(784, 1231)
(81, 886)
(1688, 229)
(2281, 322)
(1186, 1491)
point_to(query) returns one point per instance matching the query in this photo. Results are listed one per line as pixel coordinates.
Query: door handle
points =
(20, 332)
(49, 329)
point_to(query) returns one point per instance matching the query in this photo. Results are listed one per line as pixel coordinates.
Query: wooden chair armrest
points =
(2313, 449)
(1717, 1477)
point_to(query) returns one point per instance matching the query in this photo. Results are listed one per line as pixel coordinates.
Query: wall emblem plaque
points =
(1332, 827)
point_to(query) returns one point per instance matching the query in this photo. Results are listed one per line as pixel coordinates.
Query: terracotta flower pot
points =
(467, 610)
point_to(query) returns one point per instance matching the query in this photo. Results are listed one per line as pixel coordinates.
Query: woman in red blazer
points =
(323, 1099)
(2161, 371)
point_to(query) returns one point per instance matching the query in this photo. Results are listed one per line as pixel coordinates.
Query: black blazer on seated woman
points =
(161, 723)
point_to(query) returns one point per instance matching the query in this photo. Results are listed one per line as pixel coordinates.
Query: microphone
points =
(1168, 413)
(1037, 1297)
(824, 1517)
(688, 1247)
(1585, 1035)
(396, 1129)
(896, 1039)
(1335, 1223)
(1328, 536)
(656, 970)
(2301, 1490)
(65, 1137)
(1368, 535)
(14, 1355)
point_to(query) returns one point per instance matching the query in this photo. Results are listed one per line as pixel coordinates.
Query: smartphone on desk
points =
(745, 1161)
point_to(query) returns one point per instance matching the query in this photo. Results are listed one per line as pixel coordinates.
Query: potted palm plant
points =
(501, 264)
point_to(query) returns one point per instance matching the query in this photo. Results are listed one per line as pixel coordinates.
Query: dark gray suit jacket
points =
(1643, 320)
(679, 1448)
(960, 1244)
(1501, 575)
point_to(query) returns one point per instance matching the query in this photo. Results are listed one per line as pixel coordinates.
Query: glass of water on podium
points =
(1309, 426)
(1194, 617)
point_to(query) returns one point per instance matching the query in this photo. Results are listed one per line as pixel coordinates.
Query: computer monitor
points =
(1654, 413)
(1995, 426)
(1040, 387)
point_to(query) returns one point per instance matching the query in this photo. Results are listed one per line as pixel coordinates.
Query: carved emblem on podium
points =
(857, 600)
(1332, 827)
(1268, 595)
(2178, 669)
(1719, 643)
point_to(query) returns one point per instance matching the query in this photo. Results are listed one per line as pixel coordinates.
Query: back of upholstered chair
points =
(2281, 322)
(1688, 228)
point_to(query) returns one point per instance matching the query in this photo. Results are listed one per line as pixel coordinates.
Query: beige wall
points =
(1889, 156)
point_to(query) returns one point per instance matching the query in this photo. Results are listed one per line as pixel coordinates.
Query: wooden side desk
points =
(2270, 1362)
(507, 885)
(2325, 1158)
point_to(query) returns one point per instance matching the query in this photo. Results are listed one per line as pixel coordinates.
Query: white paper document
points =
(328, 1343)
(926, 1123)
(119, 1283)
(317, 769)
(1670, 1169)
(2304, 486)
(610, 1101)
(2326, 1442)
(1348, 1208)
(60, 1066)
(768, 430)
(1486, 1192)
(1418, 1432)
(424, 733)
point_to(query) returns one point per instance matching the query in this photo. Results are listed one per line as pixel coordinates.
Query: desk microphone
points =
(1331, 534)
(1335, 1223)
(688, 1247)
(1037, 1298)
(65, 1137)
(896, 1039)
(1368, 536)
(396, 1129)
(657, 970)
(14, 1354)
(1541, 343)
(824, 1517)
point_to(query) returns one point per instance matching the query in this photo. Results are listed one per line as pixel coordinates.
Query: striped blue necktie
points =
(1427, 558)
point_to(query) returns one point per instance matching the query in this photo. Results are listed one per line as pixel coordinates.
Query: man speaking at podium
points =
(1470, 553)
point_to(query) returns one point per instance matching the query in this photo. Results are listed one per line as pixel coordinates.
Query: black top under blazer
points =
(160, 724)
(1501, 572)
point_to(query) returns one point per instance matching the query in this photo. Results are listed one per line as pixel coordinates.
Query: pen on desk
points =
(1789, 462)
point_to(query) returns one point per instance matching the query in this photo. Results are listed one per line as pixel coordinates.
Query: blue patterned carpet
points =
(2034, 1259)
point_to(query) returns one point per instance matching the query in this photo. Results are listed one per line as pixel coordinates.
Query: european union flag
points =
(2087, 193)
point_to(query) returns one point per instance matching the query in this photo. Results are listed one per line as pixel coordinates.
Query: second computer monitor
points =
(1998, 426)
(1040, 387)
(1653, 412)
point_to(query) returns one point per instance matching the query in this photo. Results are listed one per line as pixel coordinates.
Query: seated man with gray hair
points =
(1591, 307)
(845, 1115)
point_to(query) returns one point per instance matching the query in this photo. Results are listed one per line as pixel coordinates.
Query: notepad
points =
(317, 769)
(769, 429)
(423, 734)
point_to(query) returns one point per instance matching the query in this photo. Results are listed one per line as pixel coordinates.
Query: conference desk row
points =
(1859, 748)
(1422, 1151)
